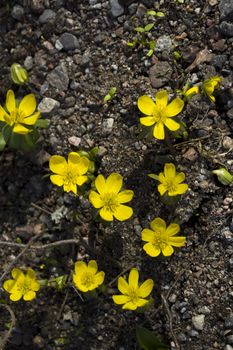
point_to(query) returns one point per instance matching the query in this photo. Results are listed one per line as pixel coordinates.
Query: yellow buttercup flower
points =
(160, 113)
(191, 92)
(86, 277)
(171, 181)
(20, 117)
(133, 294)
(69, 174)
(22, 285)
(110, 199)
(161, 238)
(210, 85)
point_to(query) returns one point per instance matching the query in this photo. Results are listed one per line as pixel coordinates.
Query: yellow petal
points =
(20, 129)
(141, 302)
(81, 180)
(133, 278)
(173, 229)
(123, 212)
(179, 178)
(168, 250)
(123, 285)
(100, 184)
(169, 170)
(32, 119)
(28, 105)
(95, 199)
(58, 165)
(114, 183)
(146, 105)
(162, 189)
(57, 180)
(34, 285)
(130, 306)
(106, 214)
(120, 299)
(70, 188)
(174, 108)
(146, 288)
(73, 158)
(161, 99)
(99, 278)
(79, 163)
(192, 91)
(125, 196)
(148, 121)
(182, 188)
(158, 224)
(177, 241)
(31, 274)
(29, 296)
(80, 267)
(18, 275)
(158, 132)
(2, 114)
(162, 178)
(10, 101)
(9, 285)
(172, 124)
(92, 267)
(16, 296)
(151, 250)
(148, 235)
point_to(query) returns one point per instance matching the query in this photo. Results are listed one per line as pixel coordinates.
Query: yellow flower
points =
(21, 116)
(160, 113)
(161, 238)
(110, 199)
(87, 277)
(133, 294)
(22, 285)
(191, 92)
(171, 181)
(69, 174)
(210, 85)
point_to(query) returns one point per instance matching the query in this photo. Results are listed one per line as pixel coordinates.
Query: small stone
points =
(28, 62)
(116, 9)
(204, 310)
(141, 11)
(219, 61)
(230, 113)
(164, 43)
(227, 142)
(191, 154)
(172, 299)
(46, 16)
(160, 74)
(17, 12)
(229, 339)
(198, 321)
(58, 78)
(37, 6)
(228, 347)
(74, 141)
(68, 41)
(226, 29)
(226, 9)
(108, 125)
(47, 105)
(229, 322)
(39, 342)
(181, 337)
(102, 151)
(132, 8)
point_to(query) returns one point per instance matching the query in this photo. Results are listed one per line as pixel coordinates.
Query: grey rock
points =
(172, 299)
(160, 74)
(133, 8)
(226, 9)
(37, 6)
(93, 2)
(219, 61)
(58, 78)
(68, 41)
(229, 339)
(46, 16)
(228, 347)
(193, 333)
(28, 62)
(17, 12)
(204, 310)
(74, 141)
(108, 125)
(229, 322)
(181, 337)
(102, 151)
(116, 9)
(198, 321)
(226, 28)
(47, 105)
(164, 43)
(230, 113)
(141, 11)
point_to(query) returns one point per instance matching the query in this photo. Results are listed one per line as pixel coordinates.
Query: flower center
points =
(15, 117)
(171, 186)
(87, 279)
(70, 176)
(159, 115)
(133, 294)
(160, 240)
(23, 287)
(110, 202)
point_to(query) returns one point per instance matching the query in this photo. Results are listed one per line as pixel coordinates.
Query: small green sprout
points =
(148, 340)
(111, 93)
(19, 75)
(143, 38)
(223, 176)
(155, 13)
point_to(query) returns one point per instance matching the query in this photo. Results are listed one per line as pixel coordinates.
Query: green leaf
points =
(24, 142)
(112, 91)
(42, 123)
(148, 340)
(107, 98)
(153, 176)
(93, 152)
(139, 29)
(132, 44)
(152, 45)
(6, 132)
(160, 14)
(151, 13)
(150, 53)
(148, 27)
(177, 55)
(2, 142)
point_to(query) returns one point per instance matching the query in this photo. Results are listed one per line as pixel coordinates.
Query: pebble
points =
(160, 74)
(37, 6)
(58, 78)
(226, 29)
(116, 9)
(108, 125)
(74, 141)
(229, 322)
(226, 9)
(227, 142)
(198, 321)
(17, 12)
(228, 347)
(172, 299)
(132, 8)
(163, 43)
(46, 16)
(39, 342)
(229, 339)
(48, 105)
(68, 42)
(28, 62)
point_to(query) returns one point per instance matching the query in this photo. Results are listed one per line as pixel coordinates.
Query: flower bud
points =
(19, 74)
(223, 176)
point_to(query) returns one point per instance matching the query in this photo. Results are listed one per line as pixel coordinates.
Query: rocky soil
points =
(74, 51)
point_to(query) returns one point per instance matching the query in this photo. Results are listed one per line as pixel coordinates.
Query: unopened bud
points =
(19, 74)
(223, 176)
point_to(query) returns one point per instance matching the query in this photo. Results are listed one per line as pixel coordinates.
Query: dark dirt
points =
(197, 279)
